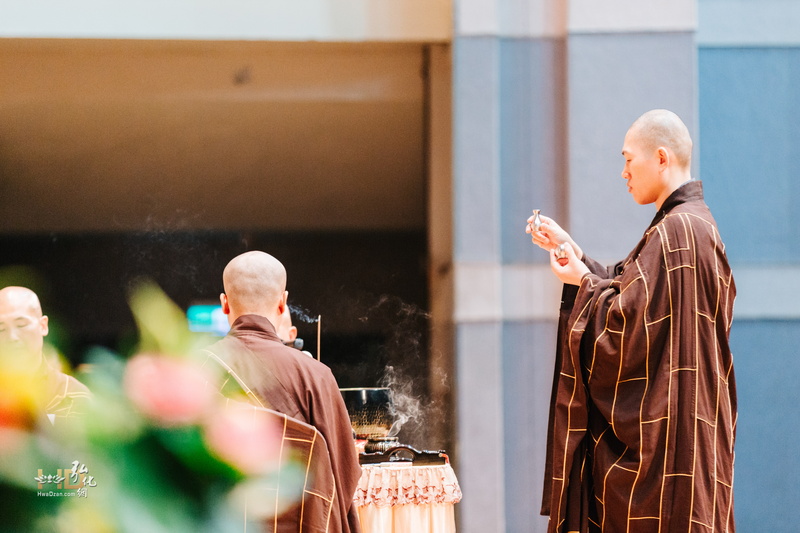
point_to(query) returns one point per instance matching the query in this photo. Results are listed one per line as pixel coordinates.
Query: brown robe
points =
(288, 381)
(63, 396)
(284, 502)
(643, 412)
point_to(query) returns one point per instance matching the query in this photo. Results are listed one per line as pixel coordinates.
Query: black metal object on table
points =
(405, 454)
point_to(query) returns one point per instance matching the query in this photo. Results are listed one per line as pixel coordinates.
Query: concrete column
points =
(544, 91)
(476, 215)
(509, 127)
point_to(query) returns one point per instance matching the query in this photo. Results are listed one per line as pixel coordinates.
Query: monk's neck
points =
(675, 185)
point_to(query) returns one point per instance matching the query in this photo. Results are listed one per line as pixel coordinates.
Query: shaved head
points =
(22, 326)
(255, 283)
(662, 128)
(20, 299)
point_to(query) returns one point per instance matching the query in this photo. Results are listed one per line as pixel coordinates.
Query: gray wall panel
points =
(532, 139)
(528, 357)
(613, 79)
(479, 406)
(476, 167)
(750, 123)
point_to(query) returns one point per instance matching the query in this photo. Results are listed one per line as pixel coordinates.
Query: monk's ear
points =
(283, 302)
(663, 157)
(43, 325)
(223, 301)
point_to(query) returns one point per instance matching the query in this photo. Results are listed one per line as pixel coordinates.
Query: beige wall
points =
(116, 135)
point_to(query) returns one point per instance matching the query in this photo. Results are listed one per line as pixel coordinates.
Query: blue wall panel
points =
(749, 110)
(749, 126)
(767, 482)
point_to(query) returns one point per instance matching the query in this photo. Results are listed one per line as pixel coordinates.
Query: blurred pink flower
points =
(171, 391)
(13, 440)
(245, 437)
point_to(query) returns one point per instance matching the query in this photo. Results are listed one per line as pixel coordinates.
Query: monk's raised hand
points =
(549, 234)
(538, 236)
(569, 269)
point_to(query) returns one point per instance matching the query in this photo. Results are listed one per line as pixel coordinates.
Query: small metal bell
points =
(537, 220)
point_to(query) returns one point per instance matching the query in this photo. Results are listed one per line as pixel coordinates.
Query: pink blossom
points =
(246, 437)
(13, 440)
(171, 391)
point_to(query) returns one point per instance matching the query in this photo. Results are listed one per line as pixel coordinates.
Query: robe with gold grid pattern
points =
(643, 412)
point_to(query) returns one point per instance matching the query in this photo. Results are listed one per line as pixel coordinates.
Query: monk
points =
(23, 327)
(643, 409)
(284, 379)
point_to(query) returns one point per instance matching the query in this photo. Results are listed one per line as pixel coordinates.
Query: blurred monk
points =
(22, 331)
(284, 379)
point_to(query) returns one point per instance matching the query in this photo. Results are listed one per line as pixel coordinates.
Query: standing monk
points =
(643, 409)
(284, 379)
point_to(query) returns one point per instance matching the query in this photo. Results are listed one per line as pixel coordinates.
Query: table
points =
(403, 498)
